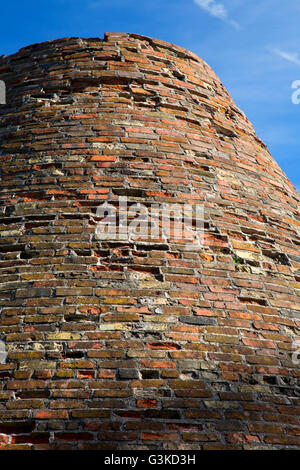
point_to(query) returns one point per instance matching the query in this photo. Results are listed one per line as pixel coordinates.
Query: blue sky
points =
(254, 47)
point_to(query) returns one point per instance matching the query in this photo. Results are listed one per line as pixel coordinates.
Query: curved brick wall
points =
(126, 345)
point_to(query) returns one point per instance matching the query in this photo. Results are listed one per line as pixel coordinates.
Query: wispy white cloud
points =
(290, 56)
(218, 10)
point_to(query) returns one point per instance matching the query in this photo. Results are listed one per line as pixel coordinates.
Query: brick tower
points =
(118, 343)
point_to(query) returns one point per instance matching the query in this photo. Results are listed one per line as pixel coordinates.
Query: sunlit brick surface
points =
(134, 345)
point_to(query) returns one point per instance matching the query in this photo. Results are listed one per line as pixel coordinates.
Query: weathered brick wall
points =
(126, 345)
